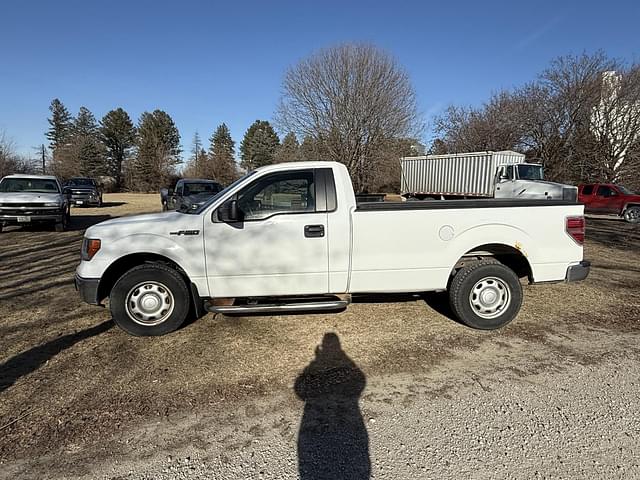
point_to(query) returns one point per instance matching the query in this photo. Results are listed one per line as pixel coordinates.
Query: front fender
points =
(185, 251)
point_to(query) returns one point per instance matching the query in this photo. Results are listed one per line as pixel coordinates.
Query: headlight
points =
(90, 247)
(51, 204)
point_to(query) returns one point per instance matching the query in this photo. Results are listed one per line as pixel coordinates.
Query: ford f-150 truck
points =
(291, 237)
(610, 199)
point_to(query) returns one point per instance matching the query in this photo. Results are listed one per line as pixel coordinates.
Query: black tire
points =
(163, 277)
(632, 215)
(493, 280)
(64, 225)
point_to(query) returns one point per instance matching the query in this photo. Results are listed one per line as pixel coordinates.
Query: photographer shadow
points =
(332, 442)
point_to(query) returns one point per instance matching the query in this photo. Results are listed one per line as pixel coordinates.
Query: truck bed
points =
(458, 204)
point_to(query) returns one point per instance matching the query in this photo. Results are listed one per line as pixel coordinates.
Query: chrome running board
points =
(308, 306)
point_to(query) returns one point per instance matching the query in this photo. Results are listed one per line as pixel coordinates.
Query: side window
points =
(587, 190)
(604, 191)
(510, 172)
(179, 189)
(286, 192)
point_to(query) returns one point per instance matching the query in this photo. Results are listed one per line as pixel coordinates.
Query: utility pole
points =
(44, 159)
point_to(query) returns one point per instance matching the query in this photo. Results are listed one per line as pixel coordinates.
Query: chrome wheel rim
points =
(149, 303)
(490, 297)
(632, 215)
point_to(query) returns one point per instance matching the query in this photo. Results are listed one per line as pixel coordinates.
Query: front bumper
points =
(88, 289)
(28, 218)
(578, 272)
(84, 200)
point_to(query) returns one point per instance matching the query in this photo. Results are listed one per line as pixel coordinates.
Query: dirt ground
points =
(75, 390)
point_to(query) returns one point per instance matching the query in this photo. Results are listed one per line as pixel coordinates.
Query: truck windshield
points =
(530, 172)
(80, 182)
(32, 185)
(205, 205)
(625, 190)
(197, 188)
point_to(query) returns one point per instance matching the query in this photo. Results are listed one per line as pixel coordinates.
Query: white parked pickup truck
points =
(290, 237)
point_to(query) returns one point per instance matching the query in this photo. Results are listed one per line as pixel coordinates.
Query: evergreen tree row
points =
(145, 156)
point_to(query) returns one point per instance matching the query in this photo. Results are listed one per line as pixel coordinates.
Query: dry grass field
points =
(73, 386)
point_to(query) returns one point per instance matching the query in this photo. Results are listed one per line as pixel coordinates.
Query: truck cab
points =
(526, 180)
(610, 199)
(189, 193)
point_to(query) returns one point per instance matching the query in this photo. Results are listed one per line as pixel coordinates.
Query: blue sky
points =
(211, 62)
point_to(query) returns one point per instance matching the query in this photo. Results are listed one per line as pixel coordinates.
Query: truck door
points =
(585, 196)
(279, 248)
(604, 201)
(506, 182)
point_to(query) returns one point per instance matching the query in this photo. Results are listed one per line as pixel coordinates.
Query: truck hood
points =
(29, 197)
(162, 224)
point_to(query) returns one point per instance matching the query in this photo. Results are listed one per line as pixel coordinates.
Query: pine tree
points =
(88, 151)
(259, 145)
(312, 149)
(60, 124)
(158, 153)
(118, 136)
(59, 133)
(222, 156)
(289, 151)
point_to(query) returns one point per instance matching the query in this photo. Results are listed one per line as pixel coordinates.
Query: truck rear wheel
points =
(485, 295)
(149, 300)
(632, 214)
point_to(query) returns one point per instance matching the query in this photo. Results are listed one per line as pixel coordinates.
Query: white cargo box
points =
(461, 174)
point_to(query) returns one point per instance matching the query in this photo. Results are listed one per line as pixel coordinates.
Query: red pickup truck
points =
(610, 199)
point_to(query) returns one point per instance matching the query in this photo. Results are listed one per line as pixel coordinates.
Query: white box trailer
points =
(460, 174)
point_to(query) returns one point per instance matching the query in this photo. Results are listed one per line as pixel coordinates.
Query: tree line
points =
(146, 156)
(580, 118)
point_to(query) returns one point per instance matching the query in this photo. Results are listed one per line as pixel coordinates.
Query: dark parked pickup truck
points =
(608, 198)
(189, 194)
(84, 191)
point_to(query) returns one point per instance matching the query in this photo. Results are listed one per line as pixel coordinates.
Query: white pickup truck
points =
(291, 237)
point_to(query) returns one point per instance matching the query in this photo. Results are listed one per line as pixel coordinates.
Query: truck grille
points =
(21, 205)
(28, 211)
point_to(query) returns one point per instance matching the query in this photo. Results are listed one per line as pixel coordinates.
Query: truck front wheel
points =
(149, 300)
(485, 295)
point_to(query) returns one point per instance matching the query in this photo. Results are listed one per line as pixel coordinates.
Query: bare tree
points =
(579, 118)
(352, 99)
(10, 161)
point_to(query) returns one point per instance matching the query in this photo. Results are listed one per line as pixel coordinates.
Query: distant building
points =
(615, 120)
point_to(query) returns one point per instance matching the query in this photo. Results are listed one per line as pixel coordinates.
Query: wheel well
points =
(505, 254)
(629, 205)
(122, 265)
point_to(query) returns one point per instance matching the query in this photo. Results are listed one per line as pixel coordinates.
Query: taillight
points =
(575, 227)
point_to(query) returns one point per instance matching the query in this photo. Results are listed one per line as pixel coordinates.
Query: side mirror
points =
(66, 191)
(229, 212)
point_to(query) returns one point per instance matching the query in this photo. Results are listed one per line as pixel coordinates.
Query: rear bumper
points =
(88, 289)
(578, 272)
